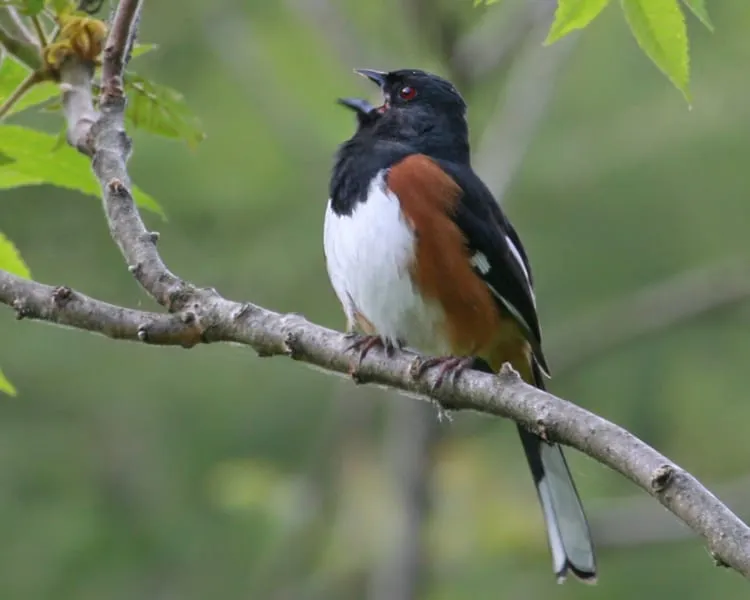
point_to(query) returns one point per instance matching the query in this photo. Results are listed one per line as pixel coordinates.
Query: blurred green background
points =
(128, 471)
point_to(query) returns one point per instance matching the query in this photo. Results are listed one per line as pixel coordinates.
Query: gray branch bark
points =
(63, 306)
(506, 395)
(204, 316)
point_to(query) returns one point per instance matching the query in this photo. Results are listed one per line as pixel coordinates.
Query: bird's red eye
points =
(407, 92)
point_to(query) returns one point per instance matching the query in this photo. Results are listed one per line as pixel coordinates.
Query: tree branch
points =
(41, 36)
(118, 46)
(29, 82)
(213, 318)
(505, 395)
(63, 306)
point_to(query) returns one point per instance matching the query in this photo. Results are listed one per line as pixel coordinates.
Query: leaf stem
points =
(20, 91)
(39, 31)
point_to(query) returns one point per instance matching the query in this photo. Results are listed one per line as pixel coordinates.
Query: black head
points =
(414, 89)
(423, 109)
(366, 113)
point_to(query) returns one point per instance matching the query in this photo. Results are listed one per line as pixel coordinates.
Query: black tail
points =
(567, 528)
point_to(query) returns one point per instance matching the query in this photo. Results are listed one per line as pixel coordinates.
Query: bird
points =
(419, 253)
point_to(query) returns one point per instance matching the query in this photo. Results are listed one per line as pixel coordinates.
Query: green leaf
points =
(141, 49)
(32, 7)
(698, 8)
(12, 74)
(61, 6)
(37, 159)
(6, 386)
(659, 28)
(573, 14)
(10, 259)
(161, 110)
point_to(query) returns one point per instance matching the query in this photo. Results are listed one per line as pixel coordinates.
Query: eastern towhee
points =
(419, 253)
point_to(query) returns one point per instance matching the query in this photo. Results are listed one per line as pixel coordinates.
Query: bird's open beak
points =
(357, 104)
(377, 77)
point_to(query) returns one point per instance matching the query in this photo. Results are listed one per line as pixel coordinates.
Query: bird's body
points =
(419, 252)
(369, 254)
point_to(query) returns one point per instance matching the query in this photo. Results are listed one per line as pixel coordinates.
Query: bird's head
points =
(422, 109)
(417, 92)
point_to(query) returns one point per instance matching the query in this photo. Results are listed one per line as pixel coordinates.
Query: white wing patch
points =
(482, 264)
(519, 259)
(480, 261)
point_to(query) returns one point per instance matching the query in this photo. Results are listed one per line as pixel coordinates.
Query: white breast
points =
(368, 255)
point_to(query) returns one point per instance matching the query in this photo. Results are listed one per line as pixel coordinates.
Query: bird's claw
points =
(450, 368)
(364, 343)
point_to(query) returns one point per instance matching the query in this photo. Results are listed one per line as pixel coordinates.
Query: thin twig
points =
(63, 306)
(119, 43)
(78, 103)
(39, 31)
(31, 80)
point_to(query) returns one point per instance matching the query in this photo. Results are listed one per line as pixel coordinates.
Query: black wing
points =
(505, 267)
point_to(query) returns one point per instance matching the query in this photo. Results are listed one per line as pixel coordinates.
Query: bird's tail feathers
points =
(567, 528)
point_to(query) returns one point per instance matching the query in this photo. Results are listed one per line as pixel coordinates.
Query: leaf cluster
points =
(658, 26)
(29, 82)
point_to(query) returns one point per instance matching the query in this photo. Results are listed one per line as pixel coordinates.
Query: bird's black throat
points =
(387, 140)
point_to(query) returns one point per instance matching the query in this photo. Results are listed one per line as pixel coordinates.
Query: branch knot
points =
(661, 478)
(21, 309)
(61, 296)
(117, 187)
(291, 345)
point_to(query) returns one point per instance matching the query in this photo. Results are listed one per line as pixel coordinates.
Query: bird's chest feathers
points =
(370, 257)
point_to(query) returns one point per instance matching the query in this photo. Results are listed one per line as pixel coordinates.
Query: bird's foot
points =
(450, 367)
(362, 344)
